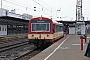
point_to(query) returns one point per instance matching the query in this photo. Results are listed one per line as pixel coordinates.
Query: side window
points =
(0, 28)
(53, 27)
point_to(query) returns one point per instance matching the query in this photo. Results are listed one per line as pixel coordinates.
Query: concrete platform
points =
(68, 48)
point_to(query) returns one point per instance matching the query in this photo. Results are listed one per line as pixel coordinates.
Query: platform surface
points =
(68, 48)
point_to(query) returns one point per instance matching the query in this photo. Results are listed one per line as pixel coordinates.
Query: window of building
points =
(3, 29)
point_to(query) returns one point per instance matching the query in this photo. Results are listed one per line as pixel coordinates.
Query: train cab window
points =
(33, 27)
(40, 27)
(47, 26)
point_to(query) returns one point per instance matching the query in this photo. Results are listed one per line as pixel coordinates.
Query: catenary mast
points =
(79, 10)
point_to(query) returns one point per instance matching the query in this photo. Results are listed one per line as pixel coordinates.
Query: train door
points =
(3, 29)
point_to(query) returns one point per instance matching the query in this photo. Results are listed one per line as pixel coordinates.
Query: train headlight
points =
(47, 35)
(32, 35)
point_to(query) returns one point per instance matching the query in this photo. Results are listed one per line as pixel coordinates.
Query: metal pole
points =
(86, 35)
(81, 10)
(76, 18)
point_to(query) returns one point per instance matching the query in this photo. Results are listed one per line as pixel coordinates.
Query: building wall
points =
(3, 29)
(17, 29)
(71, 29)
(12, 23)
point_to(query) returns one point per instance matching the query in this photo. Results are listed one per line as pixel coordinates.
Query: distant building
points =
(12, 23)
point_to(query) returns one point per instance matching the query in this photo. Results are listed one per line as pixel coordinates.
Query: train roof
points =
(45, 18)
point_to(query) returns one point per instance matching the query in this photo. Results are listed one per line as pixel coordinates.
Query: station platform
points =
(68, 48)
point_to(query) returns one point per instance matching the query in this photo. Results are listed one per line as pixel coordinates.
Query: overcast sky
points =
(48, 8)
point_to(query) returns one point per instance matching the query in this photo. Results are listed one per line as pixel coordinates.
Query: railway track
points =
(28, 54)
(12, 46)
(4, 42)
(16, 51)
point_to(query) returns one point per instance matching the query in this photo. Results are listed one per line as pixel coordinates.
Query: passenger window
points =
(0, 28)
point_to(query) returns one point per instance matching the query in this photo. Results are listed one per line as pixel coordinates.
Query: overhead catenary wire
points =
(49, 6)
(42, 5)
(15, 3)
(21, 5)
(50, 10)
(38, 4)
(24, 6)
(18, 4)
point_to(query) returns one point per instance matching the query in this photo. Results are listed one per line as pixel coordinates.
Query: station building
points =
(71, 28)
(12, 23)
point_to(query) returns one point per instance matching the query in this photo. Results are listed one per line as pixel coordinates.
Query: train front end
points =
(40, 31)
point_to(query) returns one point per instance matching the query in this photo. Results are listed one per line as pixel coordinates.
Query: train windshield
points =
(40, 27)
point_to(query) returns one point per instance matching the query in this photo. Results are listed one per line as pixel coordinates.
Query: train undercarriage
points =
(40, 43)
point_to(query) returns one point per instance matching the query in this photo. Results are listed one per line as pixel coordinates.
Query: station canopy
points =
(12, 21)
(72, 22)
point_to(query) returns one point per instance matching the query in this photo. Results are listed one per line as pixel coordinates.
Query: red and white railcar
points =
(42, 31)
